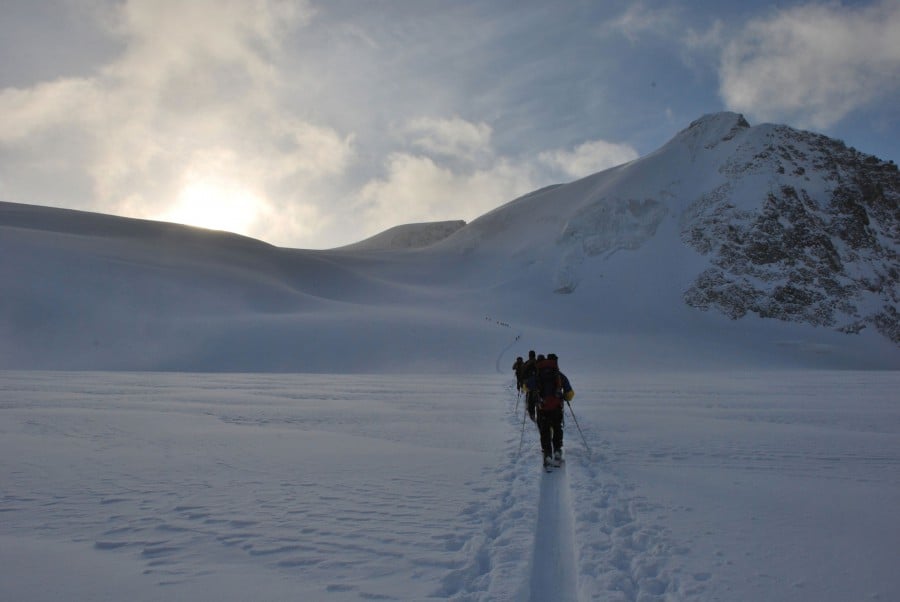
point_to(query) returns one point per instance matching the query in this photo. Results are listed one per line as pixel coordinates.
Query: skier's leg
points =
(557, 430)
(544, 426)
(532, 400)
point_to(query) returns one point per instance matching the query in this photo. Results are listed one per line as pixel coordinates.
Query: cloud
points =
(454, 173)
(712, 38)
(188, 118)
(202, 116)
(814, 63)
(453, 137)
(432, 186)
(25, 112)
(588, 158)
(638, 20)
(417, 189)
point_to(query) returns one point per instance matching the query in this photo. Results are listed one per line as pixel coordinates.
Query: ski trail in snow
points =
(594, 535)
(553, 573)
(553, 568)
(503, 352)
(578, 533)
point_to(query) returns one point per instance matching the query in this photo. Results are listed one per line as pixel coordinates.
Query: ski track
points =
(553, 569)
(590, 531)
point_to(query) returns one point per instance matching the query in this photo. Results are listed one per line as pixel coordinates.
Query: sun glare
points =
(216, 205)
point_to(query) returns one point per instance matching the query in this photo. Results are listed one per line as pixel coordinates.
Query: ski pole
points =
(578, 426)
(518, 397)
(522, 436)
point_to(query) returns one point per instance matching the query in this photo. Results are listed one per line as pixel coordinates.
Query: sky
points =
(314, 124)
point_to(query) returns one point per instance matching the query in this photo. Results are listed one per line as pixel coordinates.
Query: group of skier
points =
(546, 389)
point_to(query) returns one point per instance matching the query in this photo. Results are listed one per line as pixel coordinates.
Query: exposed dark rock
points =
(821, 254)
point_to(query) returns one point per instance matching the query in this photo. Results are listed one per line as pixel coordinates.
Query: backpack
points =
(529, 369)
(549, 384)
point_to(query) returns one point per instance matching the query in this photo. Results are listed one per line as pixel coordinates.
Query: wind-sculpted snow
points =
(603, 228)
(148, 486)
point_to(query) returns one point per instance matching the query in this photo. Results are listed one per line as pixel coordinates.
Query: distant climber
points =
(518, 368)
(531, 396)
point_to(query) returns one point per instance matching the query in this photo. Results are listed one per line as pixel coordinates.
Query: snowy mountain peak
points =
(763, 221)
(801, 228)
(715, 127)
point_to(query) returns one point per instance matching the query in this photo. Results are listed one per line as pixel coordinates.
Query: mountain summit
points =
(782, 224)
(731, 245)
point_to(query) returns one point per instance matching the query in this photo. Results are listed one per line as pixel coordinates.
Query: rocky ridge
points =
(819, 243)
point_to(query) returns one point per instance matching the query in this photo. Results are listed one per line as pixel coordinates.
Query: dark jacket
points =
(531, 383)
(551, 400)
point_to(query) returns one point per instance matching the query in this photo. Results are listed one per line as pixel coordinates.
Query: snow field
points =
(749, 486)
(716, 486)
(328, 486)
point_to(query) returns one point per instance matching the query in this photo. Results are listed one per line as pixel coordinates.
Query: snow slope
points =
(725, 216)
(673, 260)
(407, 236)
(89, 291)
(697, 487)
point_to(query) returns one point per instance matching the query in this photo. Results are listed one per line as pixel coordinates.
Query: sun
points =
(216, 204)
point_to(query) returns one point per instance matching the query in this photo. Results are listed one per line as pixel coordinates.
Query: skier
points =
(529, 369)
(518, 369)
(553, 389)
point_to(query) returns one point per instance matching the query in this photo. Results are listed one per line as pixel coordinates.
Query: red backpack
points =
(549, 384)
